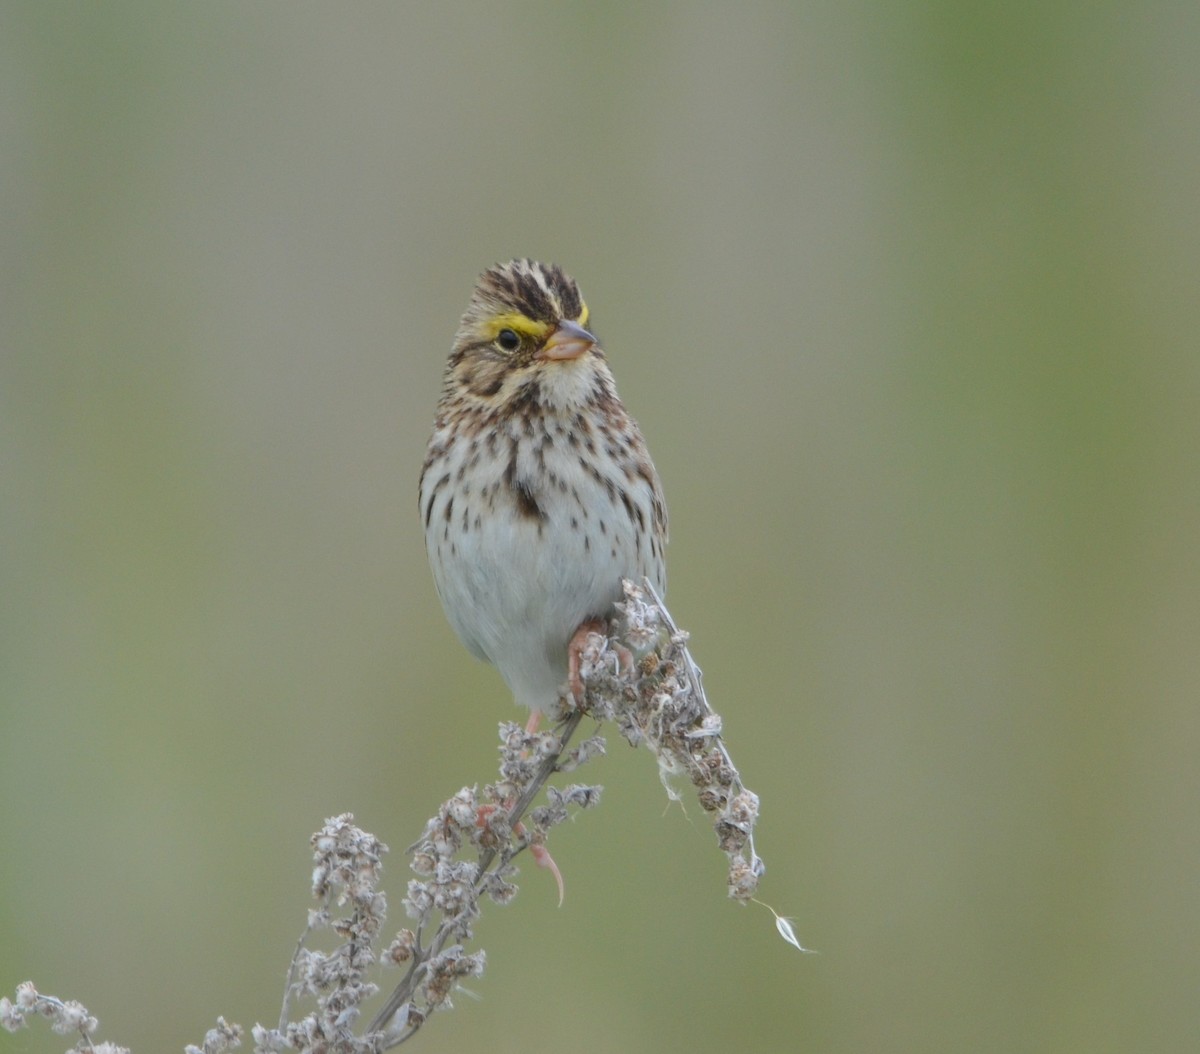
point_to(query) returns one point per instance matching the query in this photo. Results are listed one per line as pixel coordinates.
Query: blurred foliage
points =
(904, 297)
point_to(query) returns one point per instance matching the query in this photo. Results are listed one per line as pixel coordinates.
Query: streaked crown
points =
(526, 296)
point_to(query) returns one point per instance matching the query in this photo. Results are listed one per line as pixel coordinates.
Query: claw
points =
(542, 857)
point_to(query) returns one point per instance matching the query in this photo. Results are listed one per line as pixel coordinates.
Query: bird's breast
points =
(539, 535)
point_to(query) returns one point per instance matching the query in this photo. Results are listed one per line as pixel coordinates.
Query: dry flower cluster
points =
(68, 1017)
(642, 677)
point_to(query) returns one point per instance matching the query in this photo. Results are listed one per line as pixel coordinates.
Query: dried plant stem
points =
(563, 732)
(423, 954)
(294, 967)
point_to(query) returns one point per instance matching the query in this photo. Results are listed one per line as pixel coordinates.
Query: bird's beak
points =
(568, 341)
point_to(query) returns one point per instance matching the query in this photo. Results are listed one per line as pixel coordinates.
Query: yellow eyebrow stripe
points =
(583, 316)
(517, 322)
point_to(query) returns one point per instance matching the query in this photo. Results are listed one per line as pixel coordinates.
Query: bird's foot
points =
(624, 657)
(575, 654)
(541, 855)
(537, 850)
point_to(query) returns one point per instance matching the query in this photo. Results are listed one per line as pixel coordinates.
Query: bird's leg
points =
(539, 852)
(541, 855)
(575, 654)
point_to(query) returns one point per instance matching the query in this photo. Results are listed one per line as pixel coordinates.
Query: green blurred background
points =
(905, 299)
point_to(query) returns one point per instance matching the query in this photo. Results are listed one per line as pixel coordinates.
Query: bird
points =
(537, 493)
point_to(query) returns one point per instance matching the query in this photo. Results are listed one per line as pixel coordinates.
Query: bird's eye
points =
(508, 340)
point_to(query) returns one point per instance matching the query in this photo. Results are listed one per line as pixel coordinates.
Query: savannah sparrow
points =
(537, 494)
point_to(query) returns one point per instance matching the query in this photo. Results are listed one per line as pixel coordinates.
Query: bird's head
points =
(524, 337)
